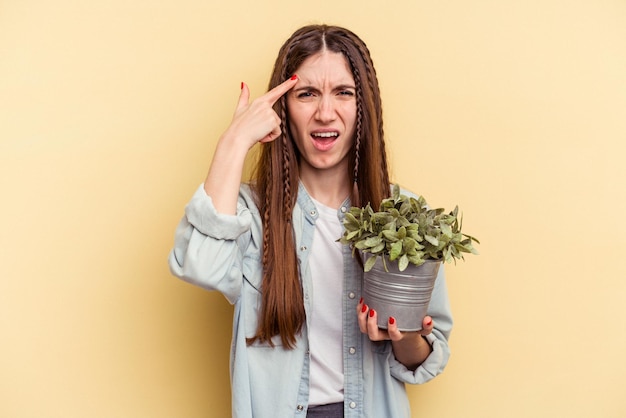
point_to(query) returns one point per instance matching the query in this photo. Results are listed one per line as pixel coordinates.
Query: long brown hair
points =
(276, 176)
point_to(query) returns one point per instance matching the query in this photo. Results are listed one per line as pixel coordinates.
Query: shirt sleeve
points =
(209, 246)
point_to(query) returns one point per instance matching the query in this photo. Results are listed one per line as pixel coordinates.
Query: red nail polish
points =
(242, 85)
(294, 77)
(372, 313)
(363, 308)
(430, 321)
(360, 301)
(392, 320)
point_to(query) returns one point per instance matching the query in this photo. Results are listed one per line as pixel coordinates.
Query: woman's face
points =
(322, 113)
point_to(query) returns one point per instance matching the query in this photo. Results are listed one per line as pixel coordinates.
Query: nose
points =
(326, 110)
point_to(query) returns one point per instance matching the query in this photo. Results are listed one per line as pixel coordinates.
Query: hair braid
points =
(286, 167)
(371, 77)
(266, 230)
(355, 198)
(377, 146)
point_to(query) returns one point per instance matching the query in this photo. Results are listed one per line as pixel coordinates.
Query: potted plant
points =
(402, 246)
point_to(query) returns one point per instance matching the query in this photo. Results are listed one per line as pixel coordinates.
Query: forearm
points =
(224, 177)
(412, 350)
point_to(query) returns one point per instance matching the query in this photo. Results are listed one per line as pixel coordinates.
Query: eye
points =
(305, 94)
(346, 93)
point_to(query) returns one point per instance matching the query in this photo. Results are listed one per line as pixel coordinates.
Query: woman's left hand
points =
(409, 347)
(368, 319)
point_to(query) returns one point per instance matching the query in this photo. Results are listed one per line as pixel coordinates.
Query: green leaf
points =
(434, 241)
(361, 245)
(395, 192)
(373, 241)
(417, 259)
(405, 208)
(391, 236)
(370, 263)
(379, 248)
(445, 229)
(403, 263)
(409, 244)
(350, 221)
(396, 250)
(351, 235)
(390, 226)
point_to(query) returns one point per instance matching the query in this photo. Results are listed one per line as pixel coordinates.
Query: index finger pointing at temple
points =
(279, 91)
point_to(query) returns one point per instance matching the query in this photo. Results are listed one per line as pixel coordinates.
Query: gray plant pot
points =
(405, 295)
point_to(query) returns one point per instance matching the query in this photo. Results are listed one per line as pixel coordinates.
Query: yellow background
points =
(109, 113)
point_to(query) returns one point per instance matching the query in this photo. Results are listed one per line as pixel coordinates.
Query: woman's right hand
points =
(257, 121)
(253, 122)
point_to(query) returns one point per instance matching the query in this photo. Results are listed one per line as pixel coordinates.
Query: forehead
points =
(325, 67)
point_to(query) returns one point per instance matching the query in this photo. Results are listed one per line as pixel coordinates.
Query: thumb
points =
(244, 96)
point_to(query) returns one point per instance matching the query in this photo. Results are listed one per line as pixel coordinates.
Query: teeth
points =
(326, 134)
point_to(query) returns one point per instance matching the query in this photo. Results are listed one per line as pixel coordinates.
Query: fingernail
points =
(242, 85)
(372, 313)
(360, 301)
(392, 320)
(363, 308)
(430, 321)
(294, 77)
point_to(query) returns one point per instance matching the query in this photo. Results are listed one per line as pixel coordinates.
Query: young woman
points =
(304, 343)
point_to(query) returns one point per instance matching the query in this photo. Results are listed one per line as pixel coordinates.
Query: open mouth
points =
(323, 141)
(325, 134)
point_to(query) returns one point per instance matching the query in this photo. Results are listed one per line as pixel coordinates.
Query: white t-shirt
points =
(326, 330)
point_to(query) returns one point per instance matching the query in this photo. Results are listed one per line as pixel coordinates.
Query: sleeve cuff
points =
(431, 367)
(201, 213)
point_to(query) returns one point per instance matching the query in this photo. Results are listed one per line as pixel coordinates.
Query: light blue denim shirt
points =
(223, 253)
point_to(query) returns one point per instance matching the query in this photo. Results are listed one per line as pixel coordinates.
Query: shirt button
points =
(303, 248)
(352, 405)
(351, 295)
(352, 350)
(300, 408)
(313, 213)
(343, 209)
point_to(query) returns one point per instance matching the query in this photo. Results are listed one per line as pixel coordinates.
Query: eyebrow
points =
(338, 87)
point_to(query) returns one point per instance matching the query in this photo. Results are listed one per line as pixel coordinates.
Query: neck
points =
(328, 189)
